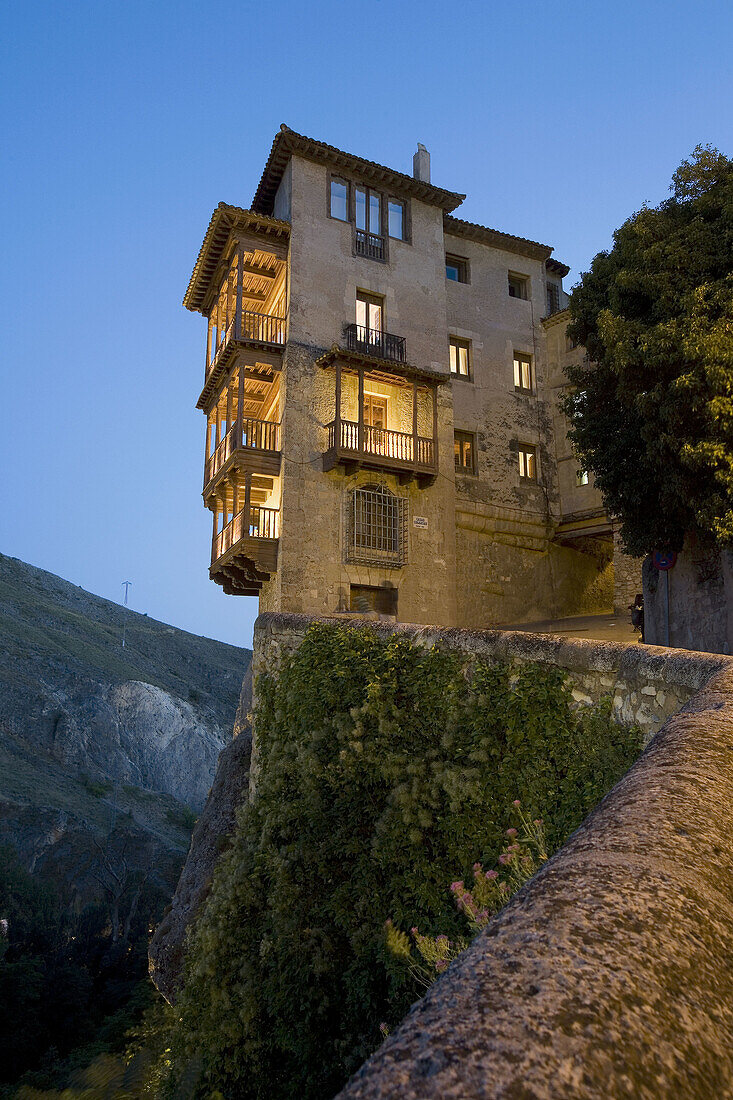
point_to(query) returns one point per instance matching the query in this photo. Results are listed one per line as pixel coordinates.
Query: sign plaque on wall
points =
(420, 521)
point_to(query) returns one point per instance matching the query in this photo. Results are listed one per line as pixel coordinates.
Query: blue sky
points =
(123, 124)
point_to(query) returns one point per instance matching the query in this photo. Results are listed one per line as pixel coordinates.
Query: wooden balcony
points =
(253, 447)
(357, 444)
(244, 552)
(249, 330)
(374, 342)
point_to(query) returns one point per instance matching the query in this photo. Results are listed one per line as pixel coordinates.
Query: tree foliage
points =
(383, 769)
(652, 412)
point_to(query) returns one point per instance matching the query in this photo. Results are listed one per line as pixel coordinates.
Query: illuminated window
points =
(522, 372)
(518, 286)
(456, 269)
(340, 200)
(396, 219)
(581, 477)
(527, 462)
(460, 357)
(464, 451)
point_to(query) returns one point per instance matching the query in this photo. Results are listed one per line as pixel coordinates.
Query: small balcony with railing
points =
(246, 531)
(383, 421)
(374, 342)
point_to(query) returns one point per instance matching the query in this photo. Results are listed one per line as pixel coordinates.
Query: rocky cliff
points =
(105, 750)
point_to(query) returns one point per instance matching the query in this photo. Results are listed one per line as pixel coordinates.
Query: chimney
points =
(421, 164)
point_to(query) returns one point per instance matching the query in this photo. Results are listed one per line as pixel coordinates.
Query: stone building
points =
(381, 385)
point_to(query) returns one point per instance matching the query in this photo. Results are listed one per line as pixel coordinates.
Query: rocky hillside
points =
(105, 751)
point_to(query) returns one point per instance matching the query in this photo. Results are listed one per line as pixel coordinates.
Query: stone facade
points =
(483, 543)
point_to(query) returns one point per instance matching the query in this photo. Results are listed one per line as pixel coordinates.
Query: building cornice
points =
(287, 142)
(225, 220)
(471, 231)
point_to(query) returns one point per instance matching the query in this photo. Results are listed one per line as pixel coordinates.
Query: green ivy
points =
(384, 769)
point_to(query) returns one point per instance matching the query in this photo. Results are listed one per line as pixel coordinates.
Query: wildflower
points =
(442, 941)
(441, 965)
(516, 802)
(492, 875)
(511, 832)
(476, 868)
(457, 887)
(384, 1028)
(414, 932)
(504, 859)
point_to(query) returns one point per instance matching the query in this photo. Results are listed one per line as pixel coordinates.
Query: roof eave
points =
(287, 142)
(224, 219)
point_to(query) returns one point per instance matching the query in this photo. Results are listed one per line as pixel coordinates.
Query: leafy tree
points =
(652, 414)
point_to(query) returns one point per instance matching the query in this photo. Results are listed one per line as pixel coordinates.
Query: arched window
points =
(376, 529)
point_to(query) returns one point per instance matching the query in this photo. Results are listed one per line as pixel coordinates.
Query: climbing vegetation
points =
(383, 769)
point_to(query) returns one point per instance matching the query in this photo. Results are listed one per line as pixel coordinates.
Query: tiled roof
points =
(287, 142)
(223, 220)
(473, 232)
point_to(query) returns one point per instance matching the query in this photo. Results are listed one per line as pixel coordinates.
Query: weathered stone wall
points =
(626, 576)
(609, 975)
(700, 600)
(647, 684)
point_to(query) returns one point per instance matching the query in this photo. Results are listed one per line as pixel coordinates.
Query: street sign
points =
(664, 560)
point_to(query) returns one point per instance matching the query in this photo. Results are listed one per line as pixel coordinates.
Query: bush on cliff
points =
(384, 768)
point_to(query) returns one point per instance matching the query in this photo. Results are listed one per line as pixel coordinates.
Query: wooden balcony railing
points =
(372, 341)
(401, 447)
(258, 328)
(262, 523)
(259, 435)
(368, 244)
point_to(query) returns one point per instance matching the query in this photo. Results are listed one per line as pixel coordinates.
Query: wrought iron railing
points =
(261, 435)
(372, 341)
(262, 523)
(381, 442)
(368, 244)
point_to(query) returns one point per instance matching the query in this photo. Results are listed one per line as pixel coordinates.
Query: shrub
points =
(383, 768)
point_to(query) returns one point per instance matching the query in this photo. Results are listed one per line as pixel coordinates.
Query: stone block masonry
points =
(648, 684)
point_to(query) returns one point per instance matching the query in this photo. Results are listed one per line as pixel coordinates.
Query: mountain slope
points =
(154, 715)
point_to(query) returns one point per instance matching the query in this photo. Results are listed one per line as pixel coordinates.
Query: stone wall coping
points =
(675, 667)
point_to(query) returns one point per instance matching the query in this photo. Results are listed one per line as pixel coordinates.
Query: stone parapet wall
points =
(647, 684)
(609, 974)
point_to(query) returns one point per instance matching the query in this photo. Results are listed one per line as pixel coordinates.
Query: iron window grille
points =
(376, 528)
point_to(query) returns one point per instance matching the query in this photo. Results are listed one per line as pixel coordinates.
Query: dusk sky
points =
(124, 124)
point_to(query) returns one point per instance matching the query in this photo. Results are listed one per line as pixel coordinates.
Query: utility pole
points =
(126, 585)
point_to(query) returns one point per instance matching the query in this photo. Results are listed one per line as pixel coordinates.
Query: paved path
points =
(603, 628)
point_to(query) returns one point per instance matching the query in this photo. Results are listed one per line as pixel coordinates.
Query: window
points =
(375, 411)
(365, 597)
(570, 343)
(527, 462)
(464, 450)
(396, 219)
(553, 298)
(581, 477)
(522, 372)
(369, 315)
(460, 357)
(456, 269)
(376, 527)
(518, 286)
(340, 200)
